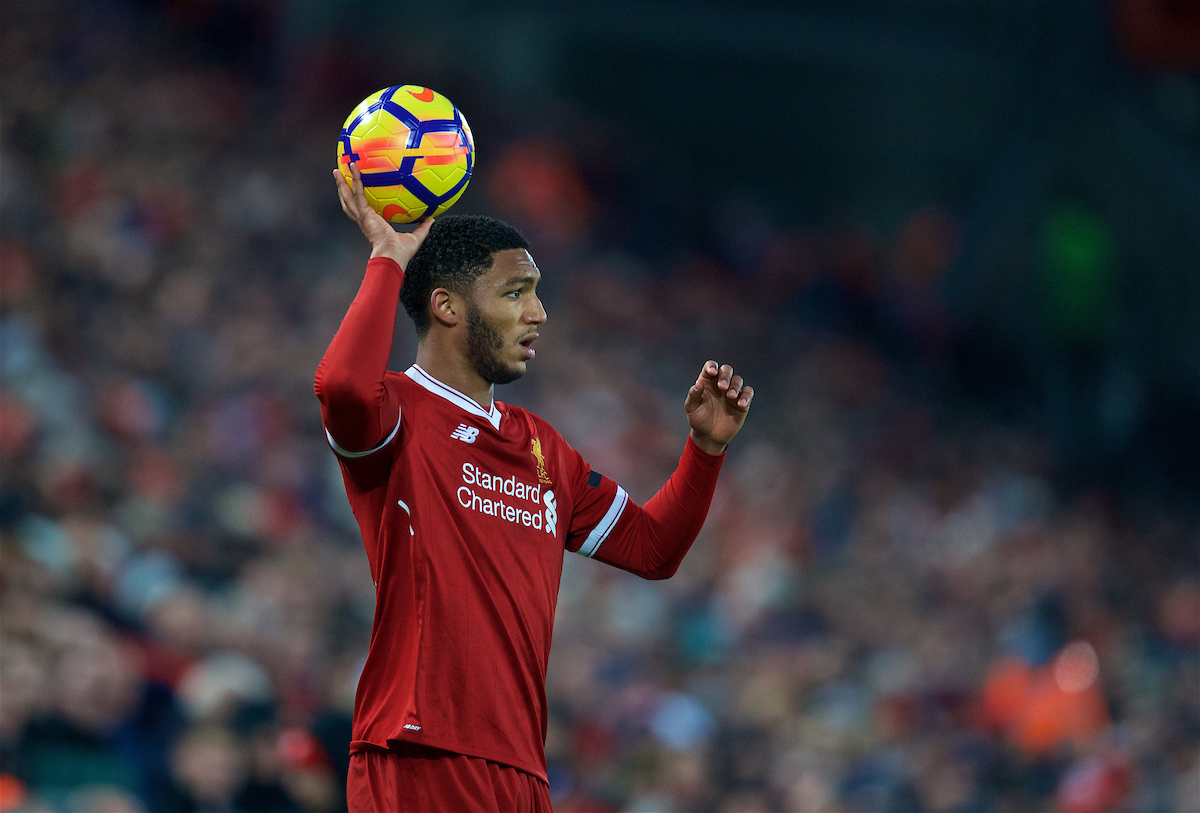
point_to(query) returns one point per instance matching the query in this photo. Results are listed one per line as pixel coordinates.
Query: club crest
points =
(535, 447)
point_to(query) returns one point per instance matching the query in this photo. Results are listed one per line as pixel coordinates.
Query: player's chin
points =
(508, 373)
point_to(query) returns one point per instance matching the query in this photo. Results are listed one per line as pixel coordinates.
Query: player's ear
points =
(445, 306)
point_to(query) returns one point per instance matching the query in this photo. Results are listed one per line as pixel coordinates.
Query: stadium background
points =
(952, 564)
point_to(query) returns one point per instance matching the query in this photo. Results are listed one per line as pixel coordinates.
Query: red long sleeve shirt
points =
(465, 513)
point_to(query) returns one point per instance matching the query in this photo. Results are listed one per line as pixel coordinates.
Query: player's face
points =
(503, 316)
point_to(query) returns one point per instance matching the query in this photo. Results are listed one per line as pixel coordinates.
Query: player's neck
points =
(456, 371)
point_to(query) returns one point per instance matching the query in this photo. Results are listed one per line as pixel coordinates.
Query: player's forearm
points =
(660, 533)
(350, 378)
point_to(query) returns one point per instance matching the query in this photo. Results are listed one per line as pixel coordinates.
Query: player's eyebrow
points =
(522, 280)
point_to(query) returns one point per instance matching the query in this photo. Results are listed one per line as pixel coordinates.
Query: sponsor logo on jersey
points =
(412, 727)
(551, 513)
(466, 434)
(474, 495)
(535, 448)
(476, 482)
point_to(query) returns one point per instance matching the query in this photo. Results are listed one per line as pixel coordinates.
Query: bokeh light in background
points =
(952, 564)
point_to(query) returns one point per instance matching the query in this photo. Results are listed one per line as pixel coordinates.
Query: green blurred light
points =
(1079, 272)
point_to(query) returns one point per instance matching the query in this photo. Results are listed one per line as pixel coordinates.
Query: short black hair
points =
(457, 251)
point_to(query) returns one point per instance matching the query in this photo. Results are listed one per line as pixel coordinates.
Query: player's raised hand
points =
(716, 406)
(385, 241)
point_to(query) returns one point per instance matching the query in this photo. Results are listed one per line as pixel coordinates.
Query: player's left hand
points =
(716, 406)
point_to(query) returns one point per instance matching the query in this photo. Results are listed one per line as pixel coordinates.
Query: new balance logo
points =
(412, 727)
(466, 434)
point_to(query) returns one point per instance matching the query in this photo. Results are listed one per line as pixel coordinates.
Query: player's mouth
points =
(525, 346)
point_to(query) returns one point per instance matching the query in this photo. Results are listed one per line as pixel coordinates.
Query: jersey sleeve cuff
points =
(705, 457)
(386, 263)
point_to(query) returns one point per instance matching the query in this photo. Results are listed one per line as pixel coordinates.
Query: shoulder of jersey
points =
(400, 383)
(408, 387)
(398, 375)
(521, 413)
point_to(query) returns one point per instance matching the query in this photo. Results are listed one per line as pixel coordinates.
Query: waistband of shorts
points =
(405, 748)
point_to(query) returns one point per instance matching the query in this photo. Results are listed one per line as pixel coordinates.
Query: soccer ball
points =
(413, 148)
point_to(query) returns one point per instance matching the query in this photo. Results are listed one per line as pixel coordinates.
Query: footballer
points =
(466, 506)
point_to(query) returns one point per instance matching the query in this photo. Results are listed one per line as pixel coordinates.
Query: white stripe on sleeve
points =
(352, 455)
(605, 526)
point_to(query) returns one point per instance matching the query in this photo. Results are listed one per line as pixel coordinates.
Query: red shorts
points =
(418, 779)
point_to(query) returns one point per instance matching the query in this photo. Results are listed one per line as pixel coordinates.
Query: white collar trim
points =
(453, 396)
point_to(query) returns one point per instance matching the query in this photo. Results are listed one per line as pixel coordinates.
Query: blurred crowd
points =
(896, 605)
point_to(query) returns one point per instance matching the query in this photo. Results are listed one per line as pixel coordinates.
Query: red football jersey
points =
(465, 514)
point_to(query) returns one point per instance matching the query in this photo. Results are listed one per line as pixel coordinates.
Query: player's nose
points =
(537, 314)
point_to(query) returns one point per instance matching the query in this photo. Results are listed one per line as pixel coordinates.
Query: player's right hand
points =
(385, 241)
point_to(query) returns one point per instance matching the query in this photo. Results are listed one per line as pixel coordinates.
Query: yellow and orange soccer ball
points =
(414, 149)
